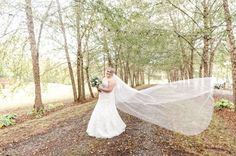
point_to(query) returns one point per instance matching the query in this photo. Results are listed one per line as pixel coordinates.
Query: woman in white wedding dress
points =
(105, 121)
(184, 106)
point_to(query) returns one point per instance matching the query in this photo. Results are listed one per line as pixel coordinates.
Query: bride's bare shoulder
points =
(112, 80)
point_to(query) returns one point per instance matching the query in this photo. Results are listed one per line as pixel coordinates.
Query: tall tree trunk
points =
(137, 76)
(142, 76)
(212, 56)
(121, 66)
(184, 60)
(116, 61)
(42, 23)
(184, 66)
(206, 39)
(88, 81)
(67, 51)
(149, 76)
(78, 65)
(232, 45)
(181, 69)
(106, 50)
(88, 65)
(200, 68)
(191, 61)
(117, 55)
(80, 68)
(126, 72)
(192, 43)
(119, 72)
(130, 76)
(82, 78)
(35, 56)
(104, 64)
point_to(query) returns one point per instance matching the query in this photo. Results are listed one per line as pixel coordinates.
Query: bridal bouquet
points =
(95, 82)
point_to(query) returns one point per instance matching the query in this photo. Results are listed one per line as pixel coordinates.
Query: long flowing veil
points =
(184, 106)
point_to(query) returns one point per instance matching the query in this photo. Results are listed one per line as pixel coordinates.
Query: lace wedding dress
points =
(105, 121)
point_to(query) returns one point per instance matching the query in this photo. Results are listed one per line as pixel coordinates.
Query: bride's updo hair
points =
(111, 69)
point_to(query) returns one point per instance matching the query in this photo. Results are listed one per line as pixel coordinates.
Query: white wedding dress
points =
(105, 121)
(184, 106)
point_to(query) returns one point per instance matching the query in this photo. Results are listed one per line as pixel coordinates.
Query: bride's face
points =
(108, 73)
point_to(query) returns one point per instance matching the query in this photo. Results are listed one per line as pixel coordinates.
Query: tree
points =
(67, 51)
(232, 45)
(206, 38)
(35, 56)
(80, 66)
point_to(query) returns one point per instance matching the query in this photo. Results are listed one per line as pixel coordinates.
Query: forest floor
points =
(63, 132)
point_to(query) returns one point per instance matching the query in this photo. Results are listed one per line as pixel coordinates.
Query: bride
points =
(105, 121)
(184, 106)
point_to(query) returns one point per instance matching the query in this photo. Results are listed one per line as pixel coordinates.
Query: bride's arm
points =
(111, 85)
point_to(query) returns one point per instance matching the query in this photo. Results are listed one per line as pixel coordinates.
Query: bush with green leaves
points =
(224, 103)
(39, 113)
(7, 120)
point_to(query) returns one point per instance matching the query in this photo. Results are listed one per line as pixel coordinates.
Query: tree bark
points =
(206, 39)
(191, 69)
(212, 56)
(200, 68)
(117, 55)
(232, 46)
(35, 56)
(80, 68)
(67, 51)
(88, 81)
(142, 77)
(126, 72)
(130, 76)
(106, 50)
(184, 68)
(42, 23)
(88, 65)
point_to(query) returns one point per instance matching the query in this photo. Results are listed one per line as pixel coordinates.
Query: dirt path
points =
(69, 138)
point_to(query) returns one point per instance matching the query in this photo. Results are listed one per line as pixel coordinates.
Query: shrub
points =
(7, 120)
(224, 103)
(38, 114)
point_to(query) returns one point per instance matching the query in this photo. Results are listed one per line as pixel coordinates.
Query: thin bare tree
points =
(67, 51)
(35, 56)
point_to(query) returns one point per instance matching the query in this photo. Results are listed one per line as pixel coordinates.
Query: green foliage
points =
(136, 34)
(224, 103)
(7, 120)
(38, 114)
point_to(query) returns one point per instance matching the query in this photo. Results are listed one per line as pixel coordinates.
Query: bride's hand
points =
(99, 88)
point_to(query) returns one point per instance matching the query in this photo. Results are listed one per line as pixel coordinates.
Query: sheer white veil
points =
(184, 106)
